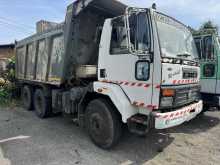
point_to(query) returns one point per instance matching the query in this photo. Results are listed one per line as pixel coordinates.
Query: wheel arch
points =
(112, 93)
(34, 86)
(89, 97)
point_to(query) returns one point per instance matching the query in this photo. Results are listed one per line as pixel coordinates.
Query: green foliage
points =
(207, 27)
(4, 95)
(9, 96)
(7, 86)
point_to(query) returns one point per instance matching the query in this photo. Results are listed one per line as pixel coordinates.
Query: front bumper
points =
(171, 119)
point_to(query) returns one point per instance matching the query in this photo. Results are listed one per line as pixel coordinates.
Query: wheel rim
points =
(99, 130)
(96, 124)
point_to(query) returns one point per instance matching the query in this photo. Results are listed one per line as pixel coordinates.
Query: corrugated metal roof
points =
(11, 46)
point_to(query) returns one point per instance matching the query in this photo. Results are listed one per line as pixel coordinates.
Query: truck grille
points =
(189, 73)
(186, 95)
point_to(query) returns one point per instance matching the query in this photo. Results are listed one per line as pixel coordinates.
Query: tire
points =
(27, 98)
(42, 104)
(103, 123)
(206, 108)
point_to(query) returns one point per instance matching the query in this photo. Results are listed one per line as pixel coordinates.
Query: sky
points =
(18, 17)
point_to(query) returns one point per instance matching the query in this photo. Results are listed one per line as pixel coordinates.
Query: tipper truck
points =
(207, 43)
(110, 65)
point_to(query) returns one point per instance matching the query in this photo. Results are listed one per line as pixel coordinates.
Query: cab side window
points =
(209, 70)
(119, 39)
(199, 46)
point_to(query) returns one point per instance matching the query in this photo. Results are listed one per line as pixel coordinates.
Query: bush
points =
(6, 92)
(4, 95)
(7, 84)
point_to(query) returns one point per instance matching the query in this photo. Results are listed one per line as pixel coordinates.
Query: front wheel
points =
(103, 123)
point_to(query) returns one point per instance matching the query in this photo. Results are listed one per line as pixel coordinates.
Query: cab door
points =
(217, 59)
(209, 66)
(117, 65)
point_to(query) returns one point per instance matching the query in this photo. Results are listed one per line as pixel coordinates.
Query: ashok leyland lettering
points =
(110, 64)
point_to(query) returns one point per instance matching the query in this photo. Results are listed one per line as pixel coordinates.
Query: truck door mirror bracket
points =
(151, 55)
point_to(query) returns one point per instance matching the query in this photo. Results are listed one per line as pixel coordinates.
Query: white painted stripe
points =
(14, 138)
(128, 162)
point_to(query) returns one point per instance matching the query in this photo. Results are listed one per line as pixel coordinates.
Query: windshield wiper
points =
(184, 55)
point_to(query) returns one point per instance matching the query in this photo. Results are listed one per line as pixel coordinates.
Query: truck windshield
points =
(176, 40)
(205, 47)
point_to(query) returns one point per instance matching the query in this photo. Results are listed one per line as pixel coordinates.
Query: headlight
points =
(167, 60)
(142, 70)
(166, 102)
(171, 60)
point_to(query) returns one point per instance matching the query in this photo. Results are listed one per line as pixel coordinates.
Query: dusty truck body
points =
(208, 46)
(110, 64)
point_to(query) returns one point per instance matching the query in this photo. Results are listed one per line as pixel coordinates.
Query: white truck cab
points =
(148, 67)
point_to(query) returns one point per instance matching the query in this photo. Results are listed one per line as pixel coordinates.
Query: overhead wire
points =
(17, 23)
(15, 29)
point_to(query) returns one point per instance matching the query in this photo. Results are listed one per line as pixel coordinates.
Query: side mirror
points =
(138, 31)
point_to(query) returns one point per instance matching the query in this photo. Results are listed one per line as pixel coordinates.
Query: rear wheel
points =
(27, 98)
(103, 123)
(42, 104)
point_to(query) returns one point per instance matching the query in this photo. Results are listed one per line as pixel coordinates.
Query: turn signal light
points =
(168, 92)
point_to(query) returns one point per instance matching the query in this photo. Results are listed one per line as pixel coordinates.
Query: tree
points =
(208, 25)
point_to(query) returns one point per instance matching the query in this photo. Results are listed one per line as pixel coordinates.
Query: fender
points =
(118, 97)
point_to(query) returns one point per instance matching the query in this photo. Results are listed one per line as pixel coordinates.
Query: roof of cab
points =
(113, 7)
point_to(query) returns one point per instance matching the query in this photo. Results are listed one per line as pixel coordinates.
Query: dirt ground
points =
(27, 140)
